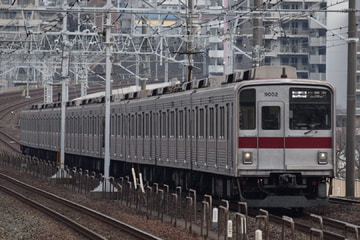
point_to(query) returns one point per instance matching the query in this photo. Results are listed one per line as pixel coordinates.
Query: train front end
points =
(285, 143)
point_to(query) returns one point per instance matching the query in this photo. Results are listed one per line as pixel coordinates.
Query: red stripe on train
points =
(288, 142)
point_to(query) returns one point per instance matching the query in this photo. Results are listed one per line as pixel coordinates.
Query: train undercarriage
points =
(277, 190)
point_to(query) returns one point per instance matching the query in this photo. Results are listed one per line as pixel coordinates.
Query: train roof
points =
(135, 92)
(129, 90)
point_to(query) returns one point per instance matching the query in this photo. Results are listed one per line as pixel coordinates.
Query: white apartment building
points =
(299, 33)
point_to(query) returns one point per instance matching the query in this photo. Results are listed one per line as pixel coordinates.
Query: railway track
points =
(319, 226)
(340, 200)
(329, 228)
(88, 222)
(10, 142)
(328, 234)
(309, 224)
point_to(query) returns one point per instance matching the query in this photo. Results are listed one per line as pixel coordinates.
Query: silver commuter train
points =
(260, 136)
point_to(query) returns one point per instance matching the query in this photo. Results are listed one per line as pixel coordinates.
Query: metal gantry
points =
(150, 39)
(35, 36)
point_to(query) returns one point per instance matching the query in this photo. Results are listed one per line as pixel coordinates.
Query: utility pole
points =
(145, 64)
(257, 36)
(351, 103)
(190, 39)
(228, 41)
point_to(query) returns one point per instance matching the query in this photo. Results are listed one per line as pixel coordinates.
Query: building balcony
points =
(317, 59)
(293, 51)
(318, 76)
(215, 39)
(317, 41)
(216, 53)
(216, 69)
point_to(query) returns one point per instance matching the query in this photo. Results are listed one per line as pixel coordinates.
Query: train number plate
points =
(271, 94)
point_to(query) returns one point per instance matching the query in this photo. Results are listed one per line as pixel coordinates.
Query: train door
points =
(271, 135)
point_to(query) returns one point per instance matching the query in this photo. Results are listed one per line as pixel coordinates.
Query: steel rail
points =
(341, 200)
(69, 222)
(100, 216)
(9, 144)
(307, 228)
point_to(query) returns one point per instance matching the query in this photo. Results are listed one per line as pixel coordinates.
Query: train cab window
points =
(270, 117)
(247, 116)
(309, 109)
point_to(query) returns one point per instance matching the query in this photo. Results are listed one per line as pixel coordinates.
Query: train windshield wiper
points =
(307, 132)
(311, 128)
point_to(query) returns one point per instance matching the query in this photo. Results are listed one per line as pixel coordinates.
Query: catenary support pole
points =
(107, 94)
(105, 186)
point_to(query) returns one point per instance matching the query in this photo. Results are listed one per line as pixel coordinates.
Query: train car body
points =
(265, 140)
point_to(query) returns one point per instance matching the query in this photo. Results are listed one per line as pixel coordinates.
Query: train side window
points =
(189, 123)
(201, 123)
(193, 118)
(112, 125)
(222, 123)
(92, 125)
(126, 125)
(96, 125)
(132, 125)
(164, 124)
(181, 123)
(76, 126)
(98, 121)
(73, 129)
(155, 124)
(247, 113)
(119, 125)
(146, 125)
(211, 122)
(270, 117)
(172, 124)
(69, 124)
(87, 125)
(78, 119)
(140, 124)
(84, 122)
(150, 124)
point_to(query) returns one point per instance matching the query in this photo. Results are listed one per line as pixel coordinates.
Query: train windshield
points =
(309, 109)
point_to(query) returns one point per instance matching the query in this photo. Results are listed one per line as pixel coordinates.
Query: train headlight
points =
(247, 157)
(322, 158)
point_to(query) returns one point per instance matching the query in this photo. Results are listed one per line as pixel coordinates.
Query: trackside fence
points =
(159, 202)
